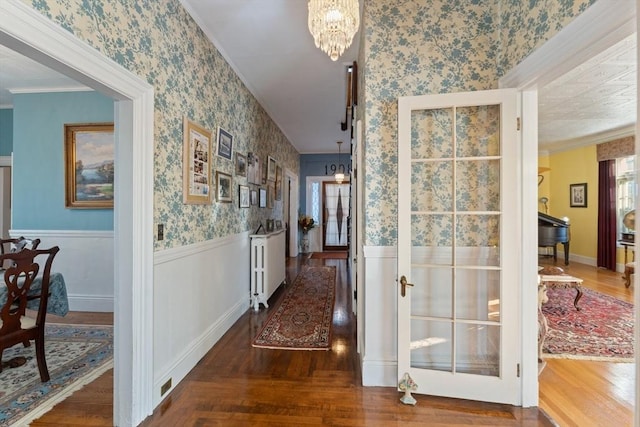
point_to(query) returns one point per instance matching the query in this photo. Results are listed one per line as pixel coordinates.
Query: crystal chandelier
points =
(333, 23)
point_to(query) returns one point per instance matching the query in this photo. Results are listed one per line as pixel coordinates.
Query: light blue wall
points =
(6, 131)
(319, 165)
(38, 158)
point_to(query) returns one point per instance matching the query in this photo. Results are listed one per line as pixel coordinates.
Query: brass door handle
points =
(403, 286)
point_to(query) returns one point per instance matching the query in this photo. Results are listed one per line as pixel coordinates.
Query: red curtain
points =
(607, 214)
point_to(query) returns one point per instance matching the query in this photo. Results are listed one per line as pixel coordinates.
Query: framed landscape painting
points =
(89, 165)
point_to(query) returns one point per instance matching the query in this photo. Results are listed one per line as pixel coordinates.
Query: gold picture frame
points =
(89, 165)
(196, 164)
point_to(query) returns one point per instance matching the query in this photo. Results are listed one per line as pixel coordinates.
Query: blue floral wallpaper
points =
(407, 48)
(158, 41)
(436, 46)
(526, 25)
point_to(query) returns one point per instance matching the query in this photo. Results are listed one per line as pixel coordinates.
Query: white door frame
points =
(25, 30)
(593, 31)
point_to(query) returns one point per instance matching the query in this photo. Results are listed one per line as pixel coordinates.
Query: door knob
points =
(403, 286)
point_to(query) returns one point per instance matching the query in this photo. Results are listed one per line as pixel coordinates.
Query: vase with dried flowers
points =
(306, 223)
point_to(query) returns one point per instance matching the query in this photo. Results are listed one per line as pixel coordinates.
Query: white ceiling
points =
(595, 99)
(269, 46)
(19, 74)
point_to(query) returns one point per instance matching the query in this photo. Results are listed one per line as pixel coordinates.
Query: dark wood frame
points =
(575, 191)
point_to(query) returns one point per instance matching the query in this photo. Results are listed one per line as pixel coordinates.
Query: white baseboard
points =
(379, 373)
(190, 357)
(92, 303)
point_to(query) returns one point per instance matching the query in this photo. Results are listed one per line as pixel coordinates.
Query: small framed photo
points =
(278, 224)
(279, 183)
(263, 198)
(223, 187)
(271, 169)
(578, 195)
(225, 144)
(270, 194)
(254, 175)
(241, 164)
(243, 198)
(254, 197)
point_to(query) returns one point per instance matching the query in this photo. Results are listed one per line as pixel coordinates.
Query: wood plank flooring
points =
(238, 385)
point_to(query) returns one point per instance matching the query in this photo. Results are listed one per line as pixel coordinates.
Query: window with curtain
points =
(625, 190)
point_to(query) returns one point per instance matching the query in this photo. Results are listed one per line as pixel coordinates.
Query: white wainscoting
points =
(200, 291)
(86, 262)
(379, 356)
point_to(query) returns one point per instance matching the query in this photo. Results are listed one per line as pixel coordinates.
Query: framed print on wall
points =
(578, 195)
(279, 183)
(225, 144)
(271, 169)
(196, 164)
(254, 197)
(241, 165)
(263, 198)
(254, 175)
(89, 165)
(223, 187)
(243, 196)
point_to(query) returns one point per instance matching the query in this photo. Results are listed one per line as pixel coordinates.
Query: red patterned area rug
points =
(601, 330)
(302, 320)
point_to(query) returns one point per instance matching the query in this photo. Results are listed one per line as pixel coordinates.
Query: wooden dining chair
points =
(16, 326)
(17, 244)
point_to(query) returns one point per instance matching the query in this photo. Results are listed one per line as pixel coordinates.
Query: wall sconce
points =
(544, 201)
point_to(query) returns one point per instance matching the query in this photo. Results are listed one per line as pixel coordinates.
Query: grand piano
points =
(551, 231)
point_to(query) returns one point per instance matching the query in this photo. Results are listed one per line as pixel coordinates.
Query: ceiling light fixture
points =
(333, 23)
(339, 176)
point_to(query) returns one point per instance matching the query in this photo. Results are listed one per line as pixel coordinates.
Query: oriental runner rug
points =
(76, 355)
(601, 330)
(303, 319)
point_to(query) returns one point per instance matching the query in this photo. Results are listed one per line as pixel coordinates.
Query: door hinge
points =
(518, 123)
(518, 370)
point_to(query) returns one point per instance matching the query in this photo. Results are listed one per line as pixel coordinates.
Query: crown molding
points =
(596, 138)
(21, 90)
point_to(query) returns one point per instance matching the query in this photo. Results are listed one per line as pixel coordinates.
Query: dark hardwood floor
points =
(236, 384)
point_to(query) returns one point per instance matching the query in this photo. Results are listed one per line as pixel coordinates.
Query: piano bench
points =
(629, 269)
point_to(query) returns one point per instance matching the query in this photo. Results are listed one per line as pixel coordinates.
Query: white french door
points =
(458, 256)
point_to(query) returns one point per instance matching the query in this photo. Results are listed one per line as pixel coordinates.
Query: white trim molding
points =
(30, 33)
